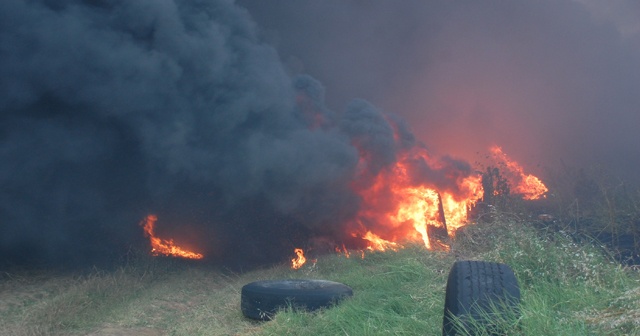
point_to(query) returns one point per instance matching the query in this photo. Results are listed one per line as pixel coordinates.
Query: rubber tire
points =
(472, 287)
(260, 300)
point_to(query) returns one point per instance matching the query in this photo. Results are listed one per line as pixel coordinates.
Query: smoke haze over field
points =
(547, 80)
(200, 112)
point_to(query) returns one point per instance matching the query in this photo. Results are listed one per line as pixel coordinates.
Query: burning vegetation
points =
(299, 260)
(405, 195)
(164, 247)
(396, 210)
(286, 163)
(527, 185)
(420, 213)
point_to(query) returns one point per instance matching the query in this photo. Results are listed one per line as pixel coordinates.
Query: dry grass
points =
(183, 301)
(623, 313)
(46, 303)
(198, 300)
(567, 289)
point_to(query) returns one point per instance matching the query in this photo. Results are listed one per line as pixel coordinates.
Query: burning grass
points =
(567, 289)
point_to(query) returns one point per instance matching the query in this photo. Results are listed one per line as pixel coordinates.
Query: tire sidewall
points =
(262, 299)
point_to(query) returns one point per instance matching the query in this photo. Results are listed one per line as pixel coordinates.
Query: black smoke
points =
(112, 110)
(115, 109)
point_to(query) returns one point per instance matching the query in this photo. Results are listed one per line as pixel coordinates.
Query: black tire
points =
(260, 300)
(475, 288)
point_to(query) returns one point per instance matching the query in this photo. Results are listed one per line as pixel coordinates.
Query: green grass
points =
(567, 289)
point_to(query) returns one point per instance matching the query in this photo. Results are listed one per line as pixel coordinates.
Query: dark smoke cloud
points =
(112, 110)
(371, 133)
(115, 109)
(553, 82)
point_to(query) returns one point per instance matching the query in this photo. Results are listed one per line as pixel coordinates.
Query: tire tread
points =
(473, 286)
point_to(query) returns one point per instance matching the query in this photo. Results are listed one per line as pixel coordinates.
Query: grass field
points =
(567, 289)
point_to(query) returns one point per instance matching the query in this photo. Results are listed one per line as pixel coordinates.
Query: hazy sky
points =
(547, 80)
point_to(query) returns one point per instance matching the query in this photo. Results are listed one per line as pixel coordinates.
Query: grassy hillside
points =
(567, 289)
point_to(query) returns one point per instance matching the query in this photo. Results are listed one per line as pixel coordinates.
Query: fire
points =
(529, 186)
(299, 260)
(419, 206)
(343, 250)
(406, 195)
(347, 253)
(396, 209)
(400, 206)
(162, 246)
(379, 244)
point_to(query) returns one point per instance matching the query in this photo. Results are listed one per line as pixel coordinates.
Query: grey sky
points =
(550, 81)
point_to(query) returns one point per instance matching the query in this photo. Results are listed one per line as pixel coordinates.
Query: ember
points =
(162, 246)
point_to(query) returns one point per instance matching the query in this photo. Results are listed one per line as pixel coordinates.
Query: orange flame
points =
(529, 186)
(298, 261)
(347, 253)
(379, 244)
(412, 196)
(419, 206)
(343, 250)
(395, 209)
(162, 246)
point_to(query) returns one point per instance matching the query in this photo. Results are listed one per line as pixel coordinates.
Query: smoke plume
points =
(111, 110)
(114, 109)
(553, 82)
